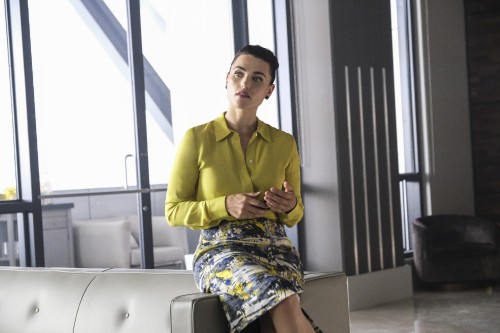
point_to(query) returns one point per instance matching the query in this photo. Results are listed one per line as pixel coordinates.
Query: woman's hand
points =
(281, 201)
(245, 205)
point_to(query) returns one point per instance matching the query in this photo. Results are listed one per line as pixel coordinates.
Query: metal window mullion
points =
(240, 24)
(17, 14)
(136, 64)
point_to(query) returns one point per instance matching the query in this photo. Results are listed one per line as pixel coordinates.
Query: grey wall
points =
(347, 134)
(321, 245)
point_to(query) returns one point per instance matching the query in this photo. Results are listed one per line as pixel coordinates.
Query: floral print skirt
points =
(251, 265)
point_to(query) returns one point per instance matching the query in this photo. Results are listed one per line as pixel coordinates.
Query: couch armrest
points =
(326, 301)
(198, 312)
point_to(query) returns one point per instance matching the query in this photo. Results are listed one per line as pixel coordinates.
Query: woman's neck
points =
(242, 121)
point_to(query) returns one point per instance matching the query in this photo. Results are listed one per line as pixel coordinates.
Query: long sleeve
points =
(292, 175)
(182, 207)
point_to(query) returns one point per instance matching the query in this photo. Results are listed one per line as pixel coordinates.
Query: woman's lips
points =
(243, 94)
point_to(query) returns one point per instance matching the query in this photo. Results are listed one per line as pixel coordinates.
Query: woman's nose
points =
(245, 83)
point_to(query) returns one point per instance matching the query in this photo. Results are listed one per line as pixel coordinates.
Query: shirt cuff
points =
(218, 208)
(293, 217)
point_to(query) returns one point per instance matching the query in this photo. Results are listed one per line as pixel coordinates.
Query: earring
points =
(267, 97)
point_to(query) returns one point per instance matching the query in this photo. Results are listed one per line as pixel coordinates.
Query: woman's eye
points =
(258, 78)
(238, 74)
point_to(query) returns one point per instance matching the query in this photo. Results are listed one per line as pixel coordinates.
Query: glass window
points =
(190, 52)
(84, 105)
(7, 152)
(410, 193)
(260, 28)
(82, 90)
(82, 99)
(403, 68)
(197, 54)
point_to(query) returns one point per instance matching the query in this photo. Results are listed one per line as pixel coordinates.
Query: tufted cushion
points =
(42, 300)
(132, 301)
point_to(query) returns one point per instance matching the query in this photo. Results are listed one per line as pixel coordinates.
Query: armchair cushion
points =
(95, 248)
(163, 234)
(164, 256)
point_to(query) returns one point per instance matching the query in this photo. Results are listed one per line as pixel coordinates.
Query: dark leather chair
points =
(456, 248)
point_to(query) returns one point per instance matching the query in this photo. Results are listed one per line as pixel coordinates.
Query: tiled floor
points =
(462, 311)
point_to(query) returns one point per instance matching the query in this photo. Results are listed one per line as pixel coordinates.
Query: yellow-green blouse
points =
(210, 165)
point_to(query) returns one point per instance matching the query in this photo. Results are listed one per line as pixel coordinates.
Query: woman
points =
(238, 179)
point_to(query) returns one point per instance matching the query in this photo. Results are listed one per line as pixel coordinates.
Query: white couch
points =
(115, 243)
(41, 300)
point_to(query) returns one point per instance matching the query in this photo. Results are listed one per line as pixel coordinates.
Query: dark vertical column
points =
(240, 24)
(366, 132)
(138, 94)
(25, 130)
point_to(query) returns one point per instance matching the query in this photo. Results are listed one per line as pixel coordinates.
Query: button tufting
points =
(127, 315)
(37, 310)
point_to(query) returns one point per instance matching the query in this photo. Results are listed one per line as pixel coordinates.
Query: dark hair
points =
(261, 53)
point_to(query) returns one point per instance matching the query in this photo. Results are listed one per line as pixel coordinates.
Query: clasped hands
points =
(246, 205)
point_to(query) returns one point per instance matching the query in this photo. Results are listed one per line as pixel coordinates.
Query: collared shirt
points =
(210, 165)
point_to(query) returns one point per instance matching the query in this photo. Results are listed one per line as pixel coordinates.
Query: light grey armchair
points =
(169, 244)
(115, 243)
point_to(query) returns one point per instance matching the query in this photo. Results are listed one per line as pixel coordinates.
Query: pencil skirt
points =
(250, 264)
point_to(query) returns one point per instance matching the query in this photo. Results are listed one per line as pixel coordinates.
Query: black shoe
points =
(316, 328)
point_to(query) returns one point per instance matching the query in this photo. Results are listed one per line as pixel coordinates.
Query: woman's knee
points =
(289, 305)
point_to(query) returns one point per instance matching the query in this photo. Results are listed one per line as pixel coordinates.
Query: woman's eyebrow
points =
(239, 67)
(243, 69)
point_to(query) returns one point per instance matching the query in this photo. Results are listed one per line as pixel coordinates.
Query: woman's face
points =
(248, 82)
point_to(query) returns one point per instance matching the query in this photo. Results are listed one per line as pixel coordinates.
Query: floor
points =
(471, 309)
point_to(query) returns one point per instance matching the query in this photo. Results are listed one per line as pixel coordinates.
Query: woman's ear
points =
(270, 91)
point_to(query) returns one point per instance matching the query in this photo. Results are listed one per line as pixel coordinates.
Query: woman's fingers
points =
(245, 205)
(281, 201)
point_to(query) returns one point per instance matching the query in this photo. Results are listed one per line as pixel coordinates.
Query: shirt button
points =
(251, 161)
